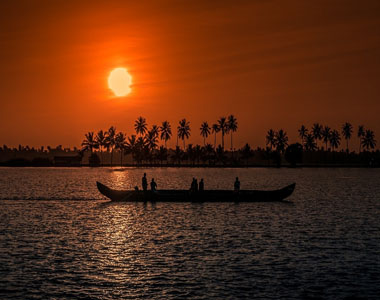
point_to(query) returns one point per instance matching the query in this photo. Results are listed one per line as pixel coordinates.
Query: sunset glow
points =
(189, 149)
(91, 64)
(119, 81)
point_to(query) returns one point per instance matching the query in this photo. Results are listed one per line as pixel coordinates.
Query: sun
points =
(119, 81)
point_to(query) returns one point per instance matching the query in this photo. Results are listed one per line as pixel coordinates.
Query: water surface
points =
(324, 244)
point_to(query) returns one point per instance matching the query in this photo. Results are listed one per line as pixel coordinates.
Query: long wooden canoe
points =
(204, 196)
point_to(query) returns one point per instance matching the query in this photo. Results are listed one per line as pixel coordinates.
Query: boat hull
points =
(204, 196)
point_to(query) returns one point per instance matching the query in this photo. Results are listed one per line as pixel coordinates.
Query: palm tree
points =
(110, 140)
(281, 140)
(166, 131)
(223, 126)
(101, 141)
(215, 129)
(155, 130)
(325, 133)
(317, 132)
(368, 140)
(334, 139)
(232, 126)
(183, 131)
(302, 133)
(89, 143)
(140, 126)
(151, 139)
(140, 149)
(361, 134)
(121, 145)
(310, 144)
(271, 138)
(130, 146)
(347, 132)
(140, 142)
(205, 131)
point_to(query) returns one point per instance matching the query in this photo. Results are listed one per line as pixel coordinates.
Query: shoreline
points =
(253, 166)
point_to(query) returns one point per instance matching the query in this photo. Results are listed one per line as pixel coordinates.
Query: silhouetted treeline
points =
(317, 147)
(332, 138)
(143, 147)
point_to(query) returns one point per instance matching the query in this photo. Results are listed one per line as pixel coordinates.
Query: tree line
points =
(144, 144)
(310, 140)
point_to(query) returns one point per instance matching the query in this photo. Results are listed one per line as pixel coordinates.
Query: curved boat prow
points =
(288, 190)
(102, 188)
(114, 195)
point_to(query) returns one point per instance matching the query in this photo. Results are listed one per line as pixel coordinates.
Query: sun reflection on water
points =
(121, 178)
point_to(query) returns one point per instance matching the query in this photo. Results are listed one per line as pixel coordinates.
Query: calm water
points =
(324, 244)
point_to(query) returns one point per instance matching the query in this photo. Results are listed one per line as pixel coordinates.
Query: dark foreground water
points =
(324, 244)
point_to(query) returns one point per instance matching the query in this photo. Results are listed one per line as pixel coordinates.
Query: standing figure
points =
(153, 185)
(194, 185)
(201, 185)
(192, 188)
(144, 183)
(237, 185)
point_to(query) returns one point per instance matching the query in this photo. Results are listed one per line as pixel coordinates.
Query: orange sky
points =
(273, 64)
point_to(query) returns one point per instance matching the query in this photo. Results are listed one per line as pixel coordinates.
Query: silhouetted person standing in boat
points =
(153, 185)
(237, 185)
(194, 186)
(201, 185)
(144, 183)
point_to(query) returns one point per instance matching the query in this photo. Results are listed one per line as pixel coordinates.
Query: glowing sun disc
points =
(119, 82)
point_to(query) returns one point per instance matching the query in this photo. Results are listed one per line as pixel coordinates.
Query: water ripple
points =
(325, 244)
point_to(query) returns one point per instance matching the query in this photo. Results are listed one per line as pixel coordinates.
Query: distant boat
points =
(204, 196)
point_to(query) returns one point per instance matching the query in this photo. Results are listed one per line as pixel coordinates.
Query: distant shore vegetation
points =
(147, 146)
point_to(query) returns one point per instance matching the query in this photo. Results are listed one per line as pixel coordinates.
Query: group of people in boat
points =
(194, 187)
(144, 183)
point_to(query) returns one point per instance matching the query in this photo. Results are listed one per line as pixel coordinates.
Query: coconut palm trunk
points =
(101, 155)
(231, 143)
(111, 155)
(232, 126)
